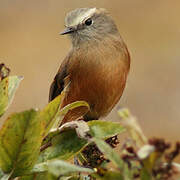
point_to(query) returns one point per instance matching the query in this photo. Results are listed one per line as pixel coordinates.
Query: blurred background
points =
(31, 47)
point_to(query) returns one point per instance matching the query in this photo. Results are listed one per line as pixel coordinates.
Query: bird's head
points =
(89, 25)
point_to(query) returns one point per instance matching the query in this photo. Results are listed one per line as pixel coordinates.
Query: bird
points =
(96, 67)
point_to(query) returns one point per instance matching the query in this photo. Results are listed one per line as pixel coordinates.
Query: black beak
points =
(68, 30)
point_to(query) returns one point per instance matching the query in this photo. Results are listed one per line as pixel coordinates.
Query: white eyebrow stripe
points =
(81, 17)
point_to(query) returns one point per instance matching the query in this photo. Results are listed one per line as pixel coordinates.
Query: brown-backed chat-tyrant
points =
(96, 68)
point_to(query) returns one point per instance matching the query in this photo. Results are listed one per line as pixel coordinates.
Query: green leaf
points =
(58, 167)
(109, 175)
(49, 176)
(39, 176)
(133, 128)
(8, 88)
(72, 106)
(75, 177)
(4, 176)
(145, 175)
(105, 129)
(64, 146)
(54, 120)
(1, 173)
(109, 153)
(28, 177)
(20, 140)
(50, 114)
(67, 144)
(53, 115)
(128, 172)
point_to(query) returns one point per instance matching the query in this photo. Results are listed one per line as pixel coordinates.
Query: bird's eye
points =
(88, 22)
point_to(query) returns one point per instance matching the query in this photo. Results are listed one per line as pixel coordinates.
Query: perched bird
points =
(96, 68)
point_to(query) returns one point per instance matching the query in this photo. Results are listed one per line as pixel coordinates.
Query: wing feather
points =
(58, 83)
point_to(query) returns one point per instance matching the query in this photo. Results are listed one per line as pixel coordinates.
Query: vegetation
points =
(33, 146)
